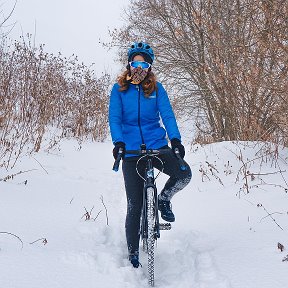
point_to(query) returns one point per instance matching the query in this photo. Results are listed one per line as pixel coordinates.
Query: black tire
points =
(151, 233)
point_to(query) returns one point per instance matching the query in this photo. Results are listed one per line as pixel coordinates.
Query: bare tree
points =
(225, 61)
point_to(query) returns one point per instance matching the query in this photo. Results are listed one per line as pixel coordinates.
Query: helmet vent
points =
(141, 47)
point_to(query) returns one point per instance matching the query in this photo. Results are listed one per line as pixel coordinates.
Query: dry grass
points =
(44, 93)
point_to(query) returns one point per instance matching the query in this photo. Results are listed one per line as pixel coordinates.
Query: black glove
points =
(176, 143)
(116, 148)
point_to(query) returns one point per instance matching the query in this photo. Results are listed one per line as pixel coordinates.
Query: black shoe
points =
(134, 259)
(165, 208)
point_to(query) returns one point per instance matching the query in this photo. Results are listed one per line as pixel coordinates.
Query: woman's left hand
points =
(176, 143)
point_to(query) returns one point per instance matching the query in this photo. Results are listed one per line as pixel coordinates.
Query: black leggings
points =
(134, 191)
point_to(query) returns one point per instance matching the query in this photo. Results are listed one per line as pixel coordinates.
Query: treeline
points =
(225, 62)
(45, 95)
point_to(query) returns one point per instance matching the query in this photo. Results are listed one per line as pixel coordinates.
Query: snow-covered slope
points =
(222, 237)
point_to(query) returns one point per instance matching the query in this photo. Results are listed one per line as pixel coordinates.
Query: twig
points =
(285, 258)
(15, 237)
(44, 241)
(97, 215)
(252, 160)
(245, 172)
(228, 168)
(11, 12)
(282, 174)
(105, 210)
(270, 215)
(264, 174)
(211, 167)
(13, 175)
(271, 184)
(203, 173)
(40, 165)
(87, 214)
(244, 167)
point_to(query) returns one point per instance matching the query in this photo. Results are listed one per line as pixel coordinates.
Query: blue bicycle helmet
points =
(141, 48)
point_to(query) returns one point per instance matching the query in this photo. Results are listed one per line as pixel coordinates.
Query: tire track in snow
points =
(184, 260)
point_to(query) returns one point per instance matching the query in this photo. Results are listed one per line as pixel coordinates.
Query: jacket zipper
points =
(139, 121)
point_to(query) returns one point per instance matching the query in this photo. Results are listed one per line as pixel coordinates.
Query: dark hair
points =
(148, 84)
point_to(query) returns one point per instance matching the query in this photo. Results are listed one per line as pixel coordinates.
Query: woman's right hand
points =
(116, 148)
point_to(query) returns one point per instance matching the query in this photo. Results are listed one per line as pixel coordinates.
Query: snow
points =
(223, 236)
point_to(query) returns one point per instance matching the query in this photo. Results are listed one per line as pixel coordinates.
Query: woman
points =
(137, 102)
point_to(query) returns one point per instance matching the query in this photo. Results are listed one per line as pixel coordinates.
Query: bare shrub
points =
(224, 61)
(45, 95)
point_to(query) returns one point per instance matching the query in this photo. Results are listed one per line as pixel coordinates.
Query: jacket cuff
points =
(175, 141)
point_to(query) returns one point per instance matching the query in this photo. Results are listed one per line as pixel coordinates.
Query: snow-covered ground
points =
(222, 237)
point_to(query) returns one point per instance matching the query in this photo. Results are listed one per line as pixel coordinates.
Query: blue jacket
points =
(135, 119)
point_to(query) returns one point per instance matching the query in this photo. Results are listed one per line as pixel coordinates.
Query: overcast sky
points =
(69, 26)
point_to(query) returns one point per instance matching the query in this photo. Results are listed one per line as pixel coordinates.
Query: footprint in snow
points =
(207, 275)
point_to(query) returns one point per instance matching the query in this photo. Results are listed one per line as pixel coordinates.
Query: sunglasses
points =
(142, 64)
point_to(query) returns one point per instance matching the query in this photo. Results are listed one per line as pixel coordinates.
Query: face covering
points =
(138, 75)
